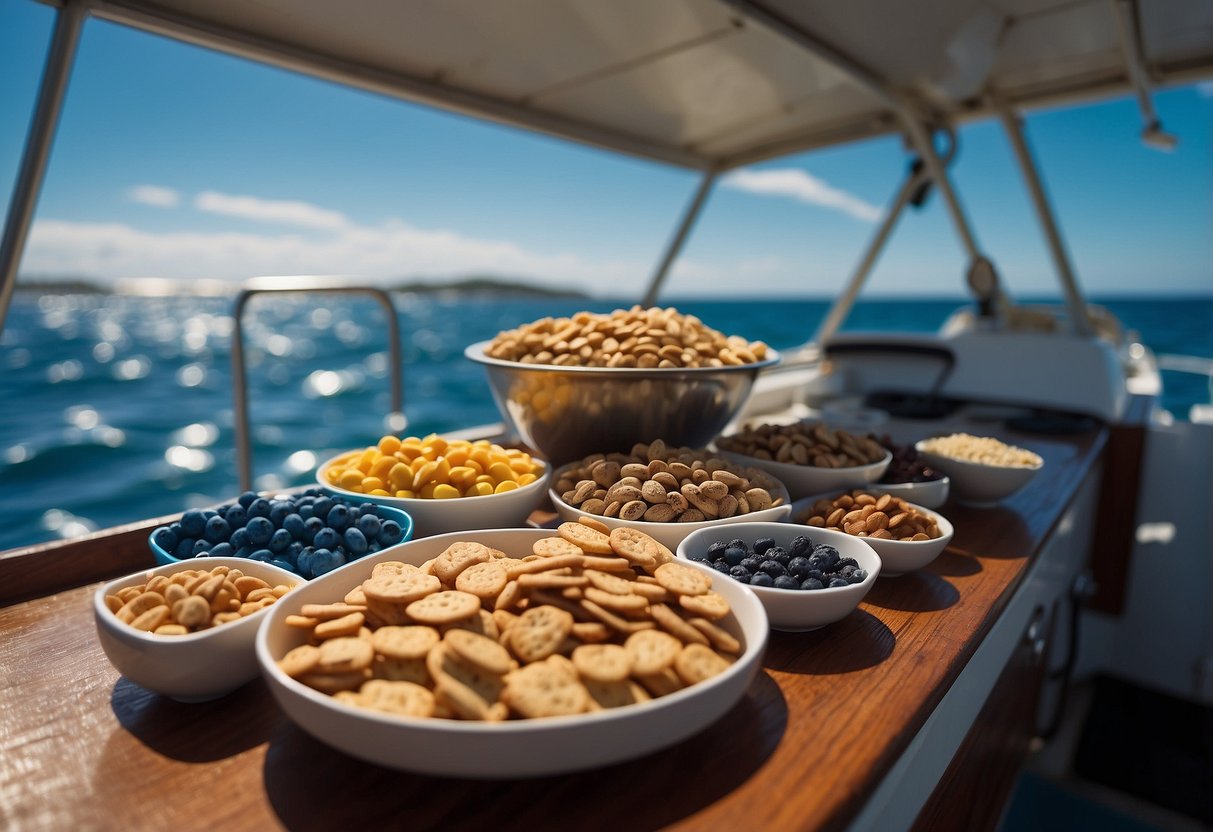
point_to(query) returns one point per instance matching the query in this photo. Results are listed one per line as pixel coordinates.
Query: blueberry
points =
(260, 507)
(818, 574)
(801, 546)
(390, 533)
(305, 511)
(369, 525)
(845, 562)
(716, 550)
(236, 516)
(165, 538)
(294, 549)
(278, 512)
(209, 513)
(310, 527)
(762, 579)
(293, 524)
(786, 582)
(222, 550)
(703, 557)
(845, 572)
(751, 564)
(239, 538)
(193, 523)
(735, 555)
(201, 546)
(773, 568)
(827, 552)
(778, 554)
(799, 567)
(859, 576)
(322, 507)
(820, 563)
(338, 517)
(246, 499)
(259, 529)
(762, 544)
(263, 555)
(355, 541)
(185, 548)
(356, 512)
(740, 573)
(812, 583)
(279, 541)
(217, 529)
(721, 565)
(303, 563)
(837, 582)
(243, 552)
(283, 564)
(326, 538)
(325, 560)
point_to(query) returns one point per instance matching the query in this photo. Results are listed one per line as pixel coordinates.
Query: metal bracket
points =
(244, 454)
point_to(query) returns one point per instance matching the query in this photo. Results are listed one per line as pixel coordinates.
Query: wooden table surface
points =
(83, 748)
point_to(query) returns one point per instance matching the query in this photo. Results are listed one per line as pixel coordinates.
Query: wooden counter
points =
(83, 748)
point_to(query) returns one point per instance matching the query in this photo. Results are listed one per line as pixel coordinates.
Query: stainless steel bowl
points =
(566, 413)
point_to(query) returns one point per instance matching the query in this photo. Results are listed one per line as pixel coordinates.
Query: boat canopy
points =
(709, 84)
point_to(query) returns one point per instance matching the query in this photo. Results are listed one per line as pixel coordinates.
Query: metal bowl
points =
(567, 413)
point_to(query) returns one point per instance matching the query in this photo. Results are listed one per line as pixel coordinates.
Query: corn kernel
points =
(445, 491)
(478, 489)
(369, 484)
(388, 445)
(504, 486)
(501, 472)
(350, 479)
(406, 493)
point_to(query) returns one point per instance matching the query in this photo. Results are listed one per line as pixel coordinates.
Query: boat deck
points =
(821, 726)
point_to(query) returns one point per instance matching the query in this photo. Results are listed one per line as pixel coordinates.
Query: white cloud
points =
(799, 185)
(155, 195)
(270, 210)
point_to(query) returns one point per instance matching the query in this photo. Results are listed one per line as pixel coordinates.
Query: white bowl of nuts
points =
(808, 458)
(570, 386)
(186, 630)
(983, 470)
(667, 492)
(485, 675)
(906, 536)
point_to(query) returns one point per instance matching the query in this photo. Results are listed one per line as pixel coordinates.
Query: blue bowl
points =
(405, 521)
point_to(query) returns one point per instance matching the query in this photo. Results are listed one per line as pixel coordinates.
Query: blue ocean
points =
(119, 408)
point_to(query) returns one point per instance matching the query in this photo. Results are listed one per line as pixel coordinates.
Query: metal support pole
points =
(842, 306)
(244, 452)
(1013, 126)
(68, 22)
(1135, 64)
(920, 138)
(675, 245)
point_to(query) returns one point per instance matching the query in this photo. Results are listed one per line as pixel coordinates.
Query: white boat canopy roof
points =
(709, 84)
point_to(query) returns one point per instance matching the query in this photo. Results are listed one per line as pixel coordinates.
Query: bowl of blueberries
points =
(803, 582)
(309, 533)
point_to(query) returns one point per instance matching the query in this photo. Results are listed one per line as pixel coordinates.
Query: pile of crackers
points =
(591, 618)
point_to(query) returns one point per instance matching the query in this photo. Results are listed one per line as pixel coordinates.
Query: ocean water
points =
(116, 409)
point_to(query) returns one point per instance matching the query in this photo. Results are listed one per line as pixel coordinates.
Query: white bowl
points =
(671, 534)
(790, 609)
(897, 557)
(430, 517)
(929, 494)
(192, 668)
(978, 484)
(515, 748)
(802, 480)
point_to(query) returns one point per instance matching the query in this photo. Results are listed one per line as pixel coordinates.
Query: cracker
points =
(341, 655)
(591, 632)
(614, 621)
(720, 638)
(683, 580)
(458, 557)
(639, 547)
(400, 588)
(550, 547)
(539, 632)
(527, 567)
(404, 698)
(541, 690)
(401, 670)
(510, 595)
(386, 613)
(484, 580)
(696, 663)
(404, 642)
(546, 580)
(332, 682)
(607, 564)
(663, 683)
(480, 651)
(617, 603)
(602, 662)
(615, 694)
(302, 659)
(652, 651)
(326, 612)
(609, 583)
(673, 623)
(481, 623)
(590, 541)
(443, 607)
(347, 625)
(709, 605)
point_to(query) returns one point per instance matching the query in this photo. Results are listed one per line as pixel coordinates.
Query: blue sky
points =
(171, 161)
